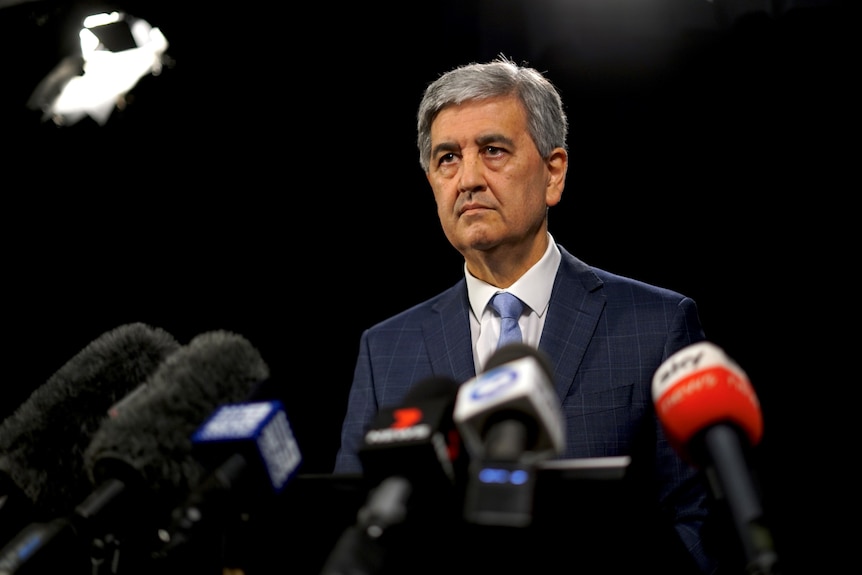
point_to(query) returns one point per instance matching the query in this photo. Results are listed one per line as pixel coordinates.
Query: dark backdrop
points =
(249, 184)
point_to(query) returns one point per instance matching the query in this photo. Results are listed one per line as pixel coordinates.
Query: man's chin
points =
(483, 242)
(478, 235)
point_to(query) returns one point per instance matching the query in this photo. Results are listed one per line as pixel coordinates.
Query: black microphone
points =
(511, 420)
(416, 438)
(253, 454)
(140, 461)
(712, 417)
(42, 442)
(414, 463)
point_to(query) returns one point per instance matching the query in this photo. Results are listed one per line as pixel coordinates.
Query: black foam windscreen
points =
(43, 440)
(150, 440)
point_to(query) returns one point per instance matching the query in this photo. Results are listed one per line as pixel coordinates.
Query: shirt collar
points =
(533, 288)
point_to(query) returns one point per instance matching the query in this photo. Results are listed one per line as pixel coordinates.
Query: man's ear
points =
(558, 165)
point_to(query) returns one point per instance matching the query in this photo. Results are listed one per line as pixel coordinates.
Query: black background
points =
(269, 175)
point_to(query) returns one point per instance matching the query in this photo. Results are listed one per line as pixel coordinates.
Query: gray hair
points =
(546, 119)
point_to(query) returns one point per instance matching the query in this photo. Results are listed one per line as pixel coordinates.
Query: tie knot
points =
(507, 305)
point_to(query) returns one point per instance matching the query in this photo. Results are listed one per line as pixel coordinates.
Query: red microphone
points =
(712, 417)
(700, 386)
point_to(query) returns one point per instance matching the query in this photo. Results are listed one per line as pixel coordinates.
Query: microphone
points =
(140, 461)
(417, 438)
(255, 453)
(711, 416)
(511, 420)
(42, 441)
(414, 461)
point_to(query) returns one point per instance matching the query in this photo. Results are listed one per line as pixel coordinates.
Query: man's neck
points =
(504, 264)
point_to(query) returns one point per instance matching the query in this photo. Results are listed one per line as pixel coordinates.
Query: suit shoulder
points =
(593, 278)
(416, 314)
(616, 282)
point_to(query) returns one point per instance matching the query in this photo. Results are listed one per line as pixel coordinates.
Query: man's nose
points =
(472, 176)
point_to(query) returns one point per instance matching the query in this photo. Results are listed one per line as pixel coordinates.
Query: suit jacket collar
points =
(576, 304)
(447, 334)
(577, 301)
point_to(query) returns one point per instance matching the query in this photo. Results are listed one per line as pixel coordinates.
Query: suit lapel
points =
(577, 301)
(576, 304)
(449, 344)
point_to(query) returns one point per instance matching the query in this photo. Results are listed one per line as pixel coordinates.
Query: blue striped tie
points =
(509, 307)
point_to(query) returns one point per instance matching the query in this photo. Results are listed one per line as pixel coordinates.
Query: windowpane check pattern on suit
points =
(509, 307)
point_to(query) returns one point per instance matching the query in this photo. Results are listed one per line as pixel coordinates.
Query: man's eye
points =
(493, 151)
(447, 158)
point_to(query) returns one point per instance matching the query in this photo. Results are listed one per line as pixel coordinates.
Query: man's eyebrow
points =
(443, 147)
(481, 141)
(488, 139)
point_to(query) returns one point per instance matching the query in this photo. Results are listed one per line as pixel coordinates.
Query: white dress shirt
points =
(533, 288)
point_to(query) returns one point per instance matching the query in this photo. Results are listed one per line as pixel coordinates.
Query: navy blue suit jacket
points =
(605, 336)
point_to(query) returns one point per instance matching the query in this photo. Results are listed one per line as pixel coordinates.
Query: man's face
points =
(491, 186)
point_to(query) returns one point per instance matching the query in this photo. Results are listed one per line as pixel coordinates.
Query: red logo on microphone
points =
(406, 417)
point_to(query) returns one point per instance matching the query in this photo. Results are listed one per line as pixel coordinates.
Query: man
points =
(492, 143)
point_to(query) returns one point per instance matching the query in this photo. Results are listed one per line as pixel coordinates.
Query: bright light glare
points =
(94, 20)
(107, 76)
